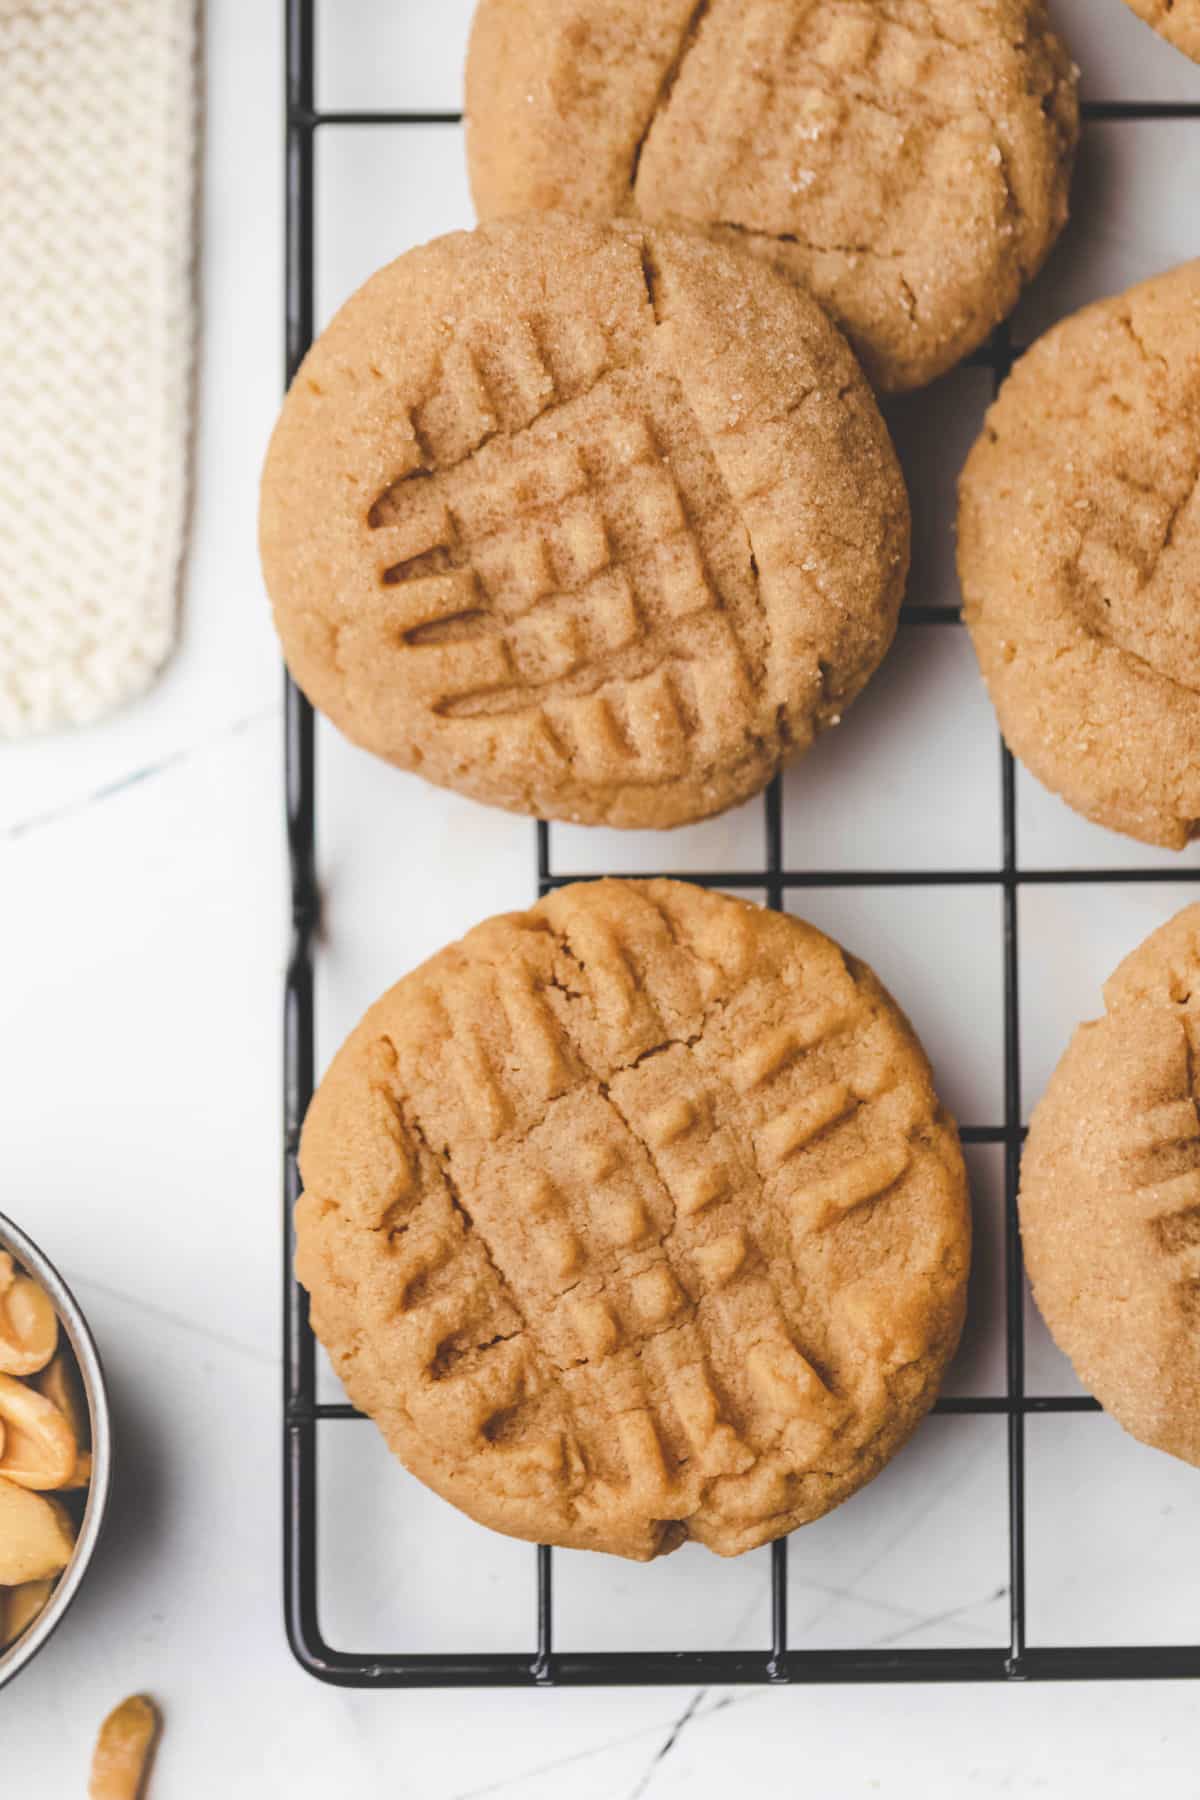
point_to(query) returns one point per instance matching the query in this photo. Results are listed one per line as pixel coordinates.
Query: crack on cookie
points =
(1176, 513)
(674, 69)
(790, 237)
(758, 671)
(1124, 318)
(442, 1161)
(907, 295)
(450, 1356)
(651, 277)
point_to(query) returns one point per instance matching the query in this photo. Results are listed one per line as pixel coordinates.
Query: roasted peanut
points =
(39, 1449)
(36, 1535)
(122, 1755)
(28, 1327)
(20, 1606)
(60, 1383)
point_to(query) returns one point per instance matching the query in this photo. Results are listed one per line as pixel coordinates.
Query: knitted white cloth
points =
(98, 108)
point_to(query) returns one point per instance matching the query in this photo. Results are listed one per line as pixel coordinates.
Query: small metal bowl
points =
(72, 1323)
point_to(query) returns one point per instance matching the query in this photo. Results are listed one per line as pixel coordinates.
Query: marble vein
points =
(515, 1781)
(942, 1618)
(135, 1303)
(149, 772)
(678, 1727)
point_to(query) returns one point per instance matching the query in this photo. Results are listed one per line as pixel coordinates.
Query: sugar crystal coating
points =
(586, 520)
(1079, 556)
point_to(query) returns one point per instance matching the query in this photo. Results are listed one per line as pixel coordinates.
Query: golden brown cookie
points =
(1079, 556)
(1177, 20)
(583, 520)
(634, 1218)
(1110, 1195)
(908, 161)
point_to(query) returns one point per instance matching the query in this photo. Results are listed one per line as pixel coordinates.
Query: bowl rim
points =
(36, 1263)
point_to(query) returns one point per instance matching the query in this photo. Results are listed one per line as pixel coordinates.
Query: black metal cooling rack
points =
(542, 1664)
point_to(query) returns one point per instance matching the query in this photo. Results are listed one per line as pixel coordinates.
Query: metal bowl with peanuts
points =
(55, 1449)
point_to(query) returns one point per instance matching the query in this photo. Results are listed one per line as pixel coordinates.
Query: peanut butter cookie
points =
(907, 161)
(1110, 1195)
(634, 1218)
(1079, 555)
(594, 522)
(1177, 20)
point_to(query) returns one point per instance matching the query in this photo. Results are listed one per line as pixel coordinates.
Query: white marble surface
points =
(142, 904)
